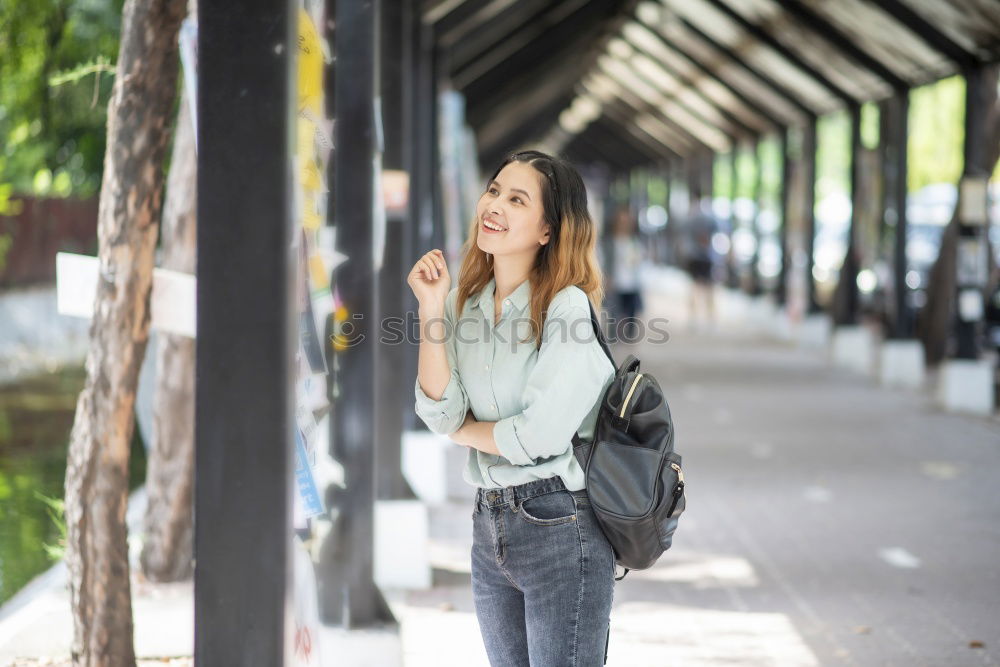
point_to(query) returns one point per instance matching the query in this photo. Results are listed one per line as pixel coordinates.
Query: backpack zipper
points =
(680, 473)
(628, 396)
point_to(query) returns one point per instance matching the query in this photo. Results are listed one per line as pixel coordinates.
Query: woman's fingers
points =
(431, 265)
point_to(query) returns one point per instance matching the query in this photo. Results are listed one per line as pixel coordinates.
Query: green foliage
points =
(937, 132)
(56, 509)
(870, 125)
(833, 154)
(52, 137)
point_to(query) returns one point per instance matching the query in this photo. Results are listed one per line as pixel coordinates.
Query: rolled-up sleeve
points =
(444, 416)
(569, 377)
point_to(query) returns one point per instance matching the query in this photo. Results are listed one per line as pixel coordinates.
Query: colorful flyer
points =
(312, 504)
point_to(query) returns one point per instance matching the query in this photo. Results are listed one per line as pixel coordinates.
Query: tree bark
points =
(128, 219)
(935, 321)
(168, 544)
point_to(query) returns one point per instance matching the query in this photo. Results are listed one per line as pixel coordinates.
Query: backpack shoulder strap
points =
(599, 332)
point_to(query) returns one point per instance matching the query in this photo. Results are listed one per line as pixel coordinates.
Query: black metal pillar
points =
(809, 210)
(347, 591)
(245, 308)
(434, 166)
(846, 301)
(734, 269)
(758, 202)
(781, 292)
(894, 126)
(396, 396)
(971, 264)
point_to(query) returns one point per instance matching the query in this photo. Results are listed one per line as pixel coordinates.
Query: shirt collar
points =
(519, 298)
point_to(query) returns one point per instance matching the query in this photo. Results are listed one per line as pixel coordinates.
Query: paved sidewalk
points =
(829, 522)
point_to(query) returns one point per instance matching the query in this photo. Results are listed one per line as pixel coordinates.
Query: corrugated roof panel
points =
(640, 36)
(731, 35)
(972, 24)
(889, 41)
(736, 76)
(813, 49)
(704, 132)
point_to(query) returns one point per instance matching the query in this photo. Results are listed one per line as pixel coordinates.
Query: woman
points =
(542, 570)
(627, 265)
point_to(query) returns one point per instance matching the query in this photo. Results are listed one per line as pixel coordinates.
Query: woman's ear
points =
(546, 235)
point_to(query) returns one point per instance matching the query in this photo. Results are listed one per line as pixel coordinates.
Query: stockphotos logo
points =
(515, 331)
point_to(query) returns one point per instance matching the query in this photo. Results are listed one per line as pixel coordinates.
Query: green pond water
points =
(36, 416)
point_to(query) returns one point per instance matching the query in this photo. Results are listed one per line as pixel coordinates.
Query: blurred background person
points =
(627, 263)
(700, 260)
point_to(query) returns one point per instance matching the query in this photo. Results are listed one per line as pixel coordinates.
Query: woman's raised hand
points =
(430, 281)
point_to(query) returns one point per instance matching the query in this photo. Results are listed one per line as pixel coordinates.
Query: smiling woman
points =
(542, 570)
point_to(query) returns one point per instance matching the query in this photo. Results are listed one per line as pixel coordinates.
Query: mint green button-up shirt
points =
(538, 398)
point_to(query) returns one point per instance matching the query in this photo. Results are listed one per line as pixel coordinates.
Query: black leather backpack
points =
(634, 477)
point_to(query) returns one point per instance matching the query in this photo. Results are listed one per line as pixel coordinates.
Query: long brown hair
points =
(570, 256)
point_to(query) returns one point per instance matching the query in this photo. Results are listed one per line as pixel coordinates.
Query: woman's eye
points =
(517, 199)
(492, 191)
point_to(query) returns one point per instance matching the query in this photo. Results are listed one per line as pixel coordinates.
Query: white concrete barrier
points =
(433, 465)
(814, 331)
(425, 465)
(782, 327)
(401, 544)
(966, 385)
(901, 364)
(853, 348)
(761, 314)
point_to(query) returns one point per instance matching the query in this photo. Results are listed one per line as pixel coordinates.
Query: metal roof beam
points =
(621, 134)
(918, 25)
(525, 129)
(595, 151)
(768, 115)
(663, 135)
(432, 12)
(690, 83)
(622, 119)
(559, 33)
(466, 18)
(644, 108)
(671, 93)
(767, 38)
(705, 132)
(503, 28)
(784, 92)
(838, 39)
(613, 140)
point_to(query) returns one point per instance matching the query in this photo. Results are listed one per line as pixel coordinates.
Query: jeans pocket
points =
(549, 509)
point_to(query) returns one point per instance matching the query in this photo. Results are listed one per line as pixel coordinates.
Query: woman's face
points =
(512, 201)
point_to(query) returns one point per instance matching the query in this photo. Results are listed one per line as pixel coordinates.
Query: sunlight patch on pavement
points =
(817, 494)
(704, 571)
(645, 634)
(440, 638)
(899, 557)
(940, 469)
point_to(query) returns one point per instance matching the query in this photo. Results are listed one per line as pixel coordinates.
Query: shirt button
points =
(507, 302)
(487, 367)
(493, 406)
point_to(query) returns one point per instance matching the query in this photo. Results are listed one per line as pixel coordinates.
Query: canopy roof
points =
(633, 82)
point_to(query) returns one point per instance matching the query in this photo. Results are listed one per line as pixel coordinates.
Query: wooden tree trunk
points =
(936, 319)
(168, 544)
(129, 212)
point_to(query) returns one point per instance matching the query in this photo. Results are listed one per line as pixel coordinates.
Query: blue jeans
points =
(542, 576)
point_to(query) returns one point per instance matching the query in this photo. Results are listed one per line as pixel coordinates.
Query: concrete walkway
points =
(829, 522)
